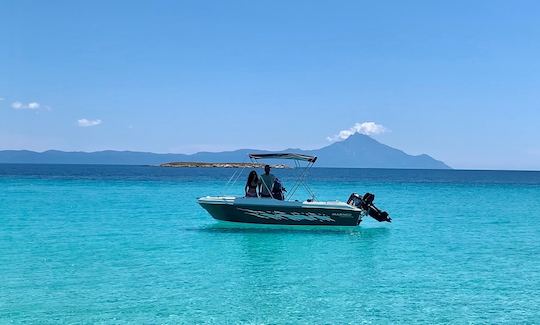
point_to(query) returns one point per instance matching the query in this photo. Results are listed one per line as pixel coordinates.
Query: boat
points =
(310, 212)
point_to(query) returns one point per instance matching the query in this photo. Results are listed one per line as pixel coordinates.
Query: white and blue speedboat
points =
(288, 212)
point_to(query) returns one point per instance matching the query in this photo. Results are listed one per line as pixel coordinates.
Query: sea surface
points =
(129, 244)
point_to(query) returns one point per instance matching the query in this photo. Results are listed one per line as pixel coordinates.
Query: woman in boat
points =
(251, 184)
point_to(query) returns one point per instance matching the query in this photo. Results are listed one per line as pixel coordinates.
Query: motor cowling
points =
(365, 203)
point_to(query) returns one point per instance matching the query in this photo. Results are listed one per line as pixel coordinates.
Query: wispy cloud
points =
(30, 105)
(367, 128)
(17, 105)
(86, 122)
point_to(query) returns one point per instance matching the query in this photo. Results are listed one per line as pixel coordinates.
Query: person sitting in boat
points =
(251, 184)
(278, 189)
(266, 182)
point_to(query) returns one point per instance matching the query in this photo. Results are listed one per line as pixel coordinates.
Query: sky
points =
(458, 80)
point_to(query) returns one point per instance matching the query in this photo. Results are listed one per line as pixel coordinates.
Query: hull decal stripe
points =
(294, 216)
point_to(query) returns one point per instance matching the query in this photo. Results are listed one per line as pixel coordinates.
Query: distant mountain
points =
(360, 151)
(363, 151)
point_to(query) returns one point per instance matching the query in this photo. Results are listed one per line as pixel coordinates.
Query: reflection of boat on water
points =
(289, 212)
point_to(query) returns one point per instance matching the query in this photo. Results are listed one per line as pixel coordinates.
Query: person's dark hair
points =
(267, 168)
(252, 177)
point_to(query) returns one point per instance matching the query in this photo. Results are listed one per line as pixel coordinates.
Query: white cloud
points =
(86, 123)
(33, 105)
(30, 106)
(17, 105)
(367, 128)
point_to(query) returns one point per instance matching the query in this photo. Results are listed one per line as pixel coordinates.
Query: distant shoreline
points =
(357, 151)
(217, 165)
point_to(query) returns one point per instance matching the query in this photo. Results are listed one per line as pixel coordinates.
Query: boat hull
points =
(269, 211)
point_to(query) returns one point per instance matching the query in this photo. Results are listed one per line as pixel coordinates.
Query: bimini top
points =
(283, 155)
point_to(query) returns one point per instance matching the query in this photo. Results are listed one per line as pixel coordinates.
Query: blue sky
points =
(459, 80)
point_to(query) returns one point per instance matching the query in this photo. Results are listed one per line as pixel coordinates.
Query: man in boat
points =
(266, 181)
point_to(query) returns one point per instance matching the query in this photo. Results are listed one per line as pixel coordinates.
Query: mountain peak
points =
(359, 137)
(360, 150)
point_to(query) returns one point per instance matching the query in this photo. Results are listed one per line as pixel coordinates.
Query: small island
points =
(218, 165)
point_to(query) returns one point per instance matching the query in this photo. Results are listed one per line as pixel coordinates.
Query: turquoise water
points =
(120, 244)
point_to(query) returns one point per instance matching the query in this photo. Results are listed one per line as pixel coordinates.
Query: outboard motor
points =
(366, 203)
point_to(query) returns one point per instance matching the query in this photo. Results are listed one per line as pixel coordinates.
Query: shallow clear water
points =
(129, 244)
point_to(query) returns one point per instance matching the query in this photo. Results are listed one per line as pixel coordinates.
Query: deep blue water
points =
(129, 244)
